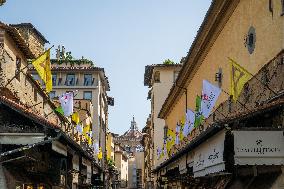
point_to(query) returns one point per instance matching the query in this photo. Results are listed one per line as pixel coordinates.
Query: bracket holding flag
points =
(239, 76)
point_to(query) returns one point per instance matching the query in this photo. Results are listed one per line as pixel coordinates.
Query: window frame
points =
(157, 77)
(70, 82)
(52, 92)
(86, 82)
(54, 80)
(85, 92)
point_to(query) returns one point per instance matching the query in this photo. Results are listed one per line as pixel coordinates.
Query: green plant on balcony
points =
(168, 61)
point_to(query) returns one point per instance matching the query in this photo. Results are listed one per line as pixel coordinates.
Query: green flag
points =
(59, 110)
(198, 114)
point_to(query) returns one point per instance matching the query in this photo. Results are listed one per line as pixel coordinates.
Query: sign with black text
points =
(259, 147)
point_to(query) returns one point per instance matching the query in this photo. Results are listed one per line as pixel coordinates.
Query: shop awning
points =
(208, 157)
(16, 153)
(21, 138)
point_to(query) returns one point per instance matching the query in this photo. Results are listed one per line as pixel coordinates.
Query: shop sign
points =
(208, 157)
(259, 147)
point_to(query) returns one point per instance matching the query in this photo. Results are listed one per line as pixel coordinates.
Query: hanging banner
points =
(259, 147)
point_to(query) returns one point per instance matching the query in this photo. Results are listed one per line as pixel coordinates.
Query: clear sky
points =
(120, 35)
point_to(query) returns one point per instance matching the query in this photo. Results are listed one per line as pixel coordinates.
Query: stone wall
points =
(35, 44)
(24, 89)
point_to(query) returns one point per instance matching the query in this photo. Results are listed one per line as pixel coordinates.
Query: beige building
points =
(110, 146)
(135, 171)
(148, 177)
(251, 33)
(121, 163)
(88, 83)
(34, 138)
(159, 78)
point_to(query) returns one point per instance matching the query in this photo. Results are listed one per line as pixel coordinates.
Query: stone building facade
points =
(89, 83)
(38, 147)
(220, 153)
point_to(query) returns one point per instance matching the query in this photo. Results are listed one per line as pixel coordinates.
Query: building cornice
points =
(20, 42)
(149, 71)
(213, 23)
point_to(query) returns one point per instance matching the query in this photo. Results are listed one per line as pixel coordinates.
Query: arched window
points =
(157, 77)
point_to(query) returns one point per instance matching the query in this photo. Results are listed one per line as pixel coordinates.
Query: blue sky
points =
(120, 35)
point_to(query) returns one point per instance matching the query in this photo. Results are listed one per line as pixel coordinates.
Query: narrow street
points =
(142, 94)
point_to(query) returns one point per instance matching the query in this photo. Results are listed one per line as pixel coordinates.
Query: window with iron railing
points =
(88, 79)
(70, 80)
(54, 79)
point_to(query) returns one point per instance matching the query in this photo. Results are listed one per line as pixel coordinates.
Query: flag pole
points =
(49, 114)
(44, 101)
(236, 99)
(221, 113)
(16, 75)
(21, 70)
(253, 76)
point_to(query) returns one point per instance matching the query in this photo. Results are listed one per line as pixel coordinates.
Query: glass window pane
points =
(54, 78)
(52, 94)
(87, 79)
(70, 80)
(88, 95)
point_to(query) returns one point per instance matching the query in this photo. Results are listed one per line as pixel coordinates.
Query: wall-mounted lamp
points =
(218, 77)
(165, 131)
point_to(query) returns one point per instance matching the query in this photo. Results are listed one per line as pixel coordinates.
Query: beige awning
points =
(21, 138)
(208, 157)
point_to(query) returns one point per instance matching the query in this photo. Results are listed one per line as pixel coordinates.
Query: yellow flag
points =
(86, 131)
(239, 77)
(42, 66)
(90, 140)
(76, 117)
(100, 154)
(170, 140)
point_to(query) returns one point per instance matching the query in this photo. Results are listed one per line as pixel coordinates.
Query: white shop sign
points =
(208, 157)
(259, 147)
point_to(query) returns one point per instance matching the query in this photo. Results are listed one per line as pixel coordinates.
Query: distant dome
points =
(133, 132)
